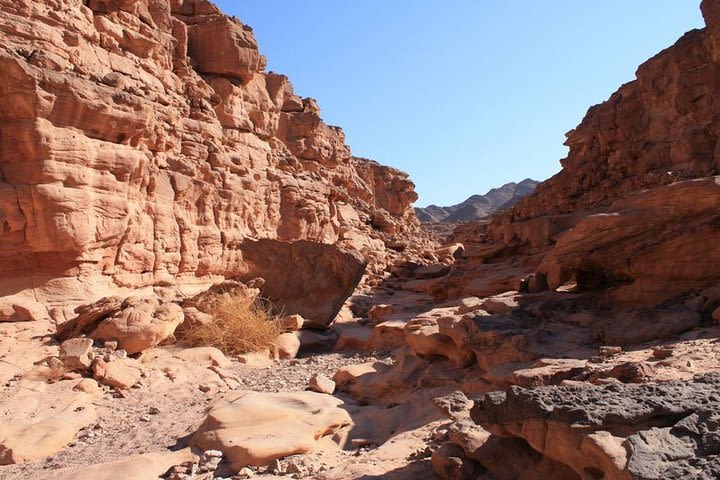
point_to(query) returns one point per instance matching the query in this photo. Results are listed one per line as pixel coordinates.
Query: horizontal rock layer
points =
(142, 141)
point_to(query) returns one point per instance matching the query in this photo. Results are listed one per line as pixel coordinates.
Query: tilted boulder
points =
(308, 278)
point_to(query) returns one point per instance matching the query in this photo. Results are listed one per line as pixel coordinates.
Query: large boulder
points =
(253, 428)
(308, 278)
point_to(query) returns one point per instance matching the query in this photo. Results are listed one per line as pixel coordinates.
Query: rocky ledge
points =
(646, 432)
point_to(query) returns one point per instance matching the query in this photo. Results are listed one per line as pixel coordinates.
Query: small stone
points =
(440, 434)
(287, 345)
(120, 353)
(55, 364)
(87, 385)
(115, 374)
(321, 384)
(204, 387)
(294, 467)
(155, 411)
(145, 418)
(291, 323)
(663, 351)
(609, 351)
(245, 472)
(380, 312)
(75, 353)
(276, 467)
(111, 345)
(212, 454)
(450, 462)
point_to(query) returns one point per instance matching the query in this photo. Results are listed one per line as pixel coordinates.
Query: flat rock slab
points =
(27, 442)
(140, 467)
(253, 428)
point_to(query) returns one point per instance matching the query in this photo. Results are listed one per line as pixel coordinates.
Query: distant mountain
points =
(478, 206)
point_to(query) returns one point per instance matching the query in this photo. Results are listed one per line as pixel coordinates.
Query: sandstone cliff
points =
(626, 214)
(141, 141)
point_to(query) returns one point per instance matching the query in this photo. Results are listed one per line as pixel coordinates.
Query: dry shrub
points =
(48, 373)
(238, 326)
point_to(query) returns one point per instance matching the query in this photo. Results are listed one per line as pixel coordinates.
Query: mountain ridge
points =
(477, 207)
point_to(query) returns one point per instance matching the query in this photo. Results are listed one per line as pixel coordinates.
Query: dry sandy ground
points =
(159, 416)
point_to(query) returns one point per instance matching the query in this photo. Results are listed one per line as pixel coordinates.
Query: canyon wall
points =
(628, 213)
(141, 141)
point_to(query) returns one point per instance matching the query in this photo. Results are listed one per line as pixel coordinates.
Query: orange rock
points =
(254, 428)
(144, 142)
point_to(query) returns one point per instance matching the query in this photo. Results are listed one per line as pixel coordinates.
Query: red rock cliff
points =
(629, 212)
(141, 141)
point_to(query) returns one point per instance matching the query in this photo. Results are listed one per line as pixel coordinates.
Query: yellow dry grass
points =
(238, 326)
(47, 373)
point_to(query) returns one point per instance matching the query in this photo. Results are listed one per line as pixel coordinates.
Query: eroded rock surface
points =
(255, 428)
(143, 141)
(632, 210)
(648, 432)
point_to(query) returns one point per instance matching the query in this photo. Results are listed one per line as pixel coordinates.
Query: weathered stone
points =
(450, 463)
(115, 374)
(307, 278)
(287, 345)
(291, 323)
(321, 384)
(75, 353)
(145, 141)
(256, 428)
(648, 431)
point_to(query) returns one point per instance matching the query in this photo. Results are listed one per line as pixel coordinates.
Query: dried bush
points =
(48, 372)
(237, 326)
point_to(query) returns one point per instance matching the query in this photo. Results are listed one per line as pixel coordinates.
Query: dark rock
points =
(668, 430)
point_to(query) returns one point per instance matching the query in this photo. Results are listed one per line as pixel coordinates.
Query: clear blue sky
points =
(464, 95)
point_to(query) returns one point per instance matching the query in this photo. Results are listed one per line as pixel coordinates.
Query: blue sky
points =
(465, 95)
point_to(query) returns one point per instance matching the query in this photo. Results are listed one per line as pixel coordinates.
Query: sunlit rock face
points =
(634, 210)
(141, 141)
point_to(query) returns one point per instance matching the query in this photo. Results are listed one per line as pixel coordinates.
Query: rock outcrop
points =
(631, 212)
(141, 142)
(643, 432)
(649, 246)
(254, 428)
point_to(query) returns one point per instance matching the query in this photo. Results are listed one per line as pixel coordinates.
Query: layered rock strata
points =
(631, 212)
(141, 142)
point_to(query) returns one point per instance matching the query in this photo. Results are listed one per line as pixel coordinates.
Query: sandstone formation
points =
(152, 169)
(254, 429)
(48, 434)
(629, 193)
(141, 142)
